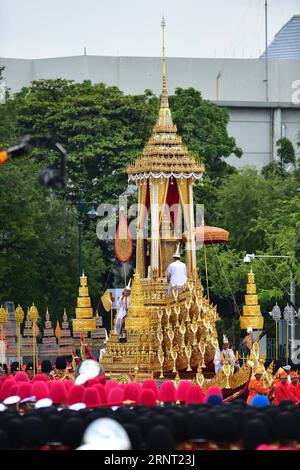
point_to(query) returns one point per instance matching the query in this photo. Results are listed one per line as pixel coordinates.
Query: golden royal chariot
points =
(173, 334)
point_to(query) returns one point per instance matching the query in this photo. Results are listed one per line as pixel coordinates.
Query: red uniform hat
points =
(21, 377)
(40, 390)
(150, 383)
(68, 384)
(5, 389)
(115, 396)
(14, 390)
(109, 385)
(91, 382)
(182, 390)
(39, 377)
(58, 392)
(75, 394)
(132, 392)
(25, 390)
(195, 395)
(101, 392)
(91, 398)
(167, 392)
(147, 397)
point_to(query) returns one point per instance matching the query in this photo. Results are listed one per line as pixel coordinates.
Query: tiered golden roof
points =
(252, 316)
(165, 154)
(84, 313)
(137, 318)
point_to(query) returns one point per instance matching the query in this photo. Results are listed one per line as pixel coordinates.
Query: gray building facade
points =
(238, 84)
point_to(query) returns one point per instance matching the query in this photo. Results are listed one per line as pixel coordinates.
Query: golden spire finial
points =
(164, 103)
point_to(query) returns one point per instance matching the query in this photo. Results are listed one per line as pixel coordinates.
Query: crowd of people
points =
(49, 411)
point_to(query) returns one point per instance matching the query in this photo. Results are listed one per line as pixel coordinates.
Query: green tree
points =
(38, 242)
(102, 128)
(239, 199)
(273, 169)
(285, 151)
(203, 126)
(262, 216)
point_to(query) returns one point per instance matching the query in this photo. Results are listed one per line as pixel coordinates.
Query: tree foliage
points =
(285, 151)
(203, 126)
(37, 242)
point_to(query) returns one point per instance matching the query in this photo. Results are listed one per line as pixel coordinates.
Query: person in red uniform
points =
(281, 390)
(61, 371)
(256, 385)
(294, 388)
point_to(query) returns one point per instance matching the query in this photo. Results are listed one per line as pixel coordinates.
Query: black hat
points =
(61, 363)
(29, 366)
(4, 445)
(72, 432)
(287, 428)
(144, 425)
(238, 415)
(160, 438)
(126, 415)
(256, 433)
(200, 426)
(46, 366)
(180, 423)
(33, 432)
(14, 367)
(161, 420)
(54, 424)
(286, 404)
(134, 435)
(13, 429)
(224, 428)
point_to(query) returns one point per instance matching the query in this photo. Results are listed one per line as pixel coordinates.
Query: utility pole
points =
(266, 51)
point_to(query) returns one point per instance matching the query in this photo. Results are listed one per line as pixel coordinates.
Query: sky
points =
(195, 28)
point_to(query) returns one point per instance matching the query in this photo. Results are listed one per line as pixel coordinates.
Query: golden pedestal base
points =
(165, 333)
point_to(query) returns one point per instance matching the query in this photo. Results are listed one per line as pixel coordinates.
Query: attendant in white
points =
(177, 272)
(227, 353)
(287, 369)
(123, 305)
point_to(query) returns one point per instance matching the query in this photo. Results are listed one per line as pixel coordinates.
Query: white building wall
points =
(254, 123)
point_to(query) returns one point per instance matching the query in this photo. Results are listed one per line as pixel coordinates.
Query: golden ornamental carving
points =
(19, 314)
(3, 315)
(188, 352)
(33, 314)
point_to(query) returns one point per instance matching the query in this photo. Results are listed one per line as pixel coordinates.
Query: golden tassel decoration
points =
(34, 316)
(19, 316)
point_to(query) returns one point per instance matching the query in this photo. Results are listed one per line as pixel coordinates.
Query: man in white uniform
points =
(227, 353)
(177, 272)
(123, 305)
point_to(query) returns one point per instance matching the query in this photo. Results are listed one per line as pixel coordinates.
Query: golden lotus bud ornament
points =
(19, 314)
(3, 315)
(33, 314)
